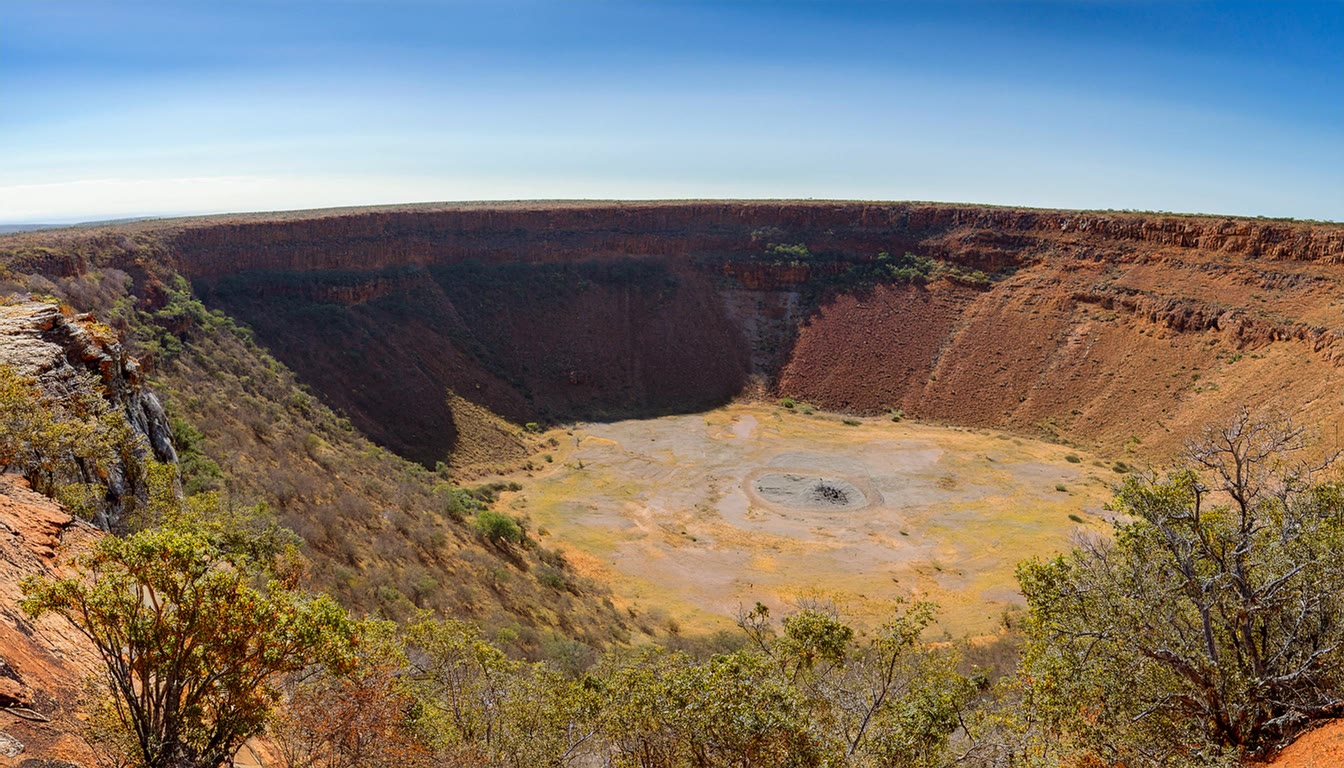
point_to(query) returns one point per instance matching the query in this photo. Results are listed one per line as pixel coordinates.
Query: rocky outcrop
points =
(370, 239)
(56, 348)
(1246, 330)
(43, 662)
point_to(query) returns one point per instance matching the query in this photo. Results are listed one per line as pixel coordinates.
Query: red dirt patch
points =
(1319, 748)
(888, 338)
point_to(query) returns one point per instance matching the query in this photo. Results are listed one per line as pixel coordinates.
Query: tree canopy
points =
(192, 638)
(1211, 627)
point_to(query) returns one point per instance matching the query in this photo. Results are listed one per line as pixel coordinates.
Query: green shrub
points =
(496, 527)
(552, 557)
(783, 252)
(972, 278)
(550, 577)
(199, 472)
(460, 503)
(489, 493)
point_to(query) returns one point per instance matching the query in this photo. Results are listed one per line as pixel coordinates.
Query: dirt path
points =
(700, 514)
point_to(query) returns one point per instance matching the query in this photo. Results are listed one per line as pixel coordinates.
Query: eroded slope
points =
(43, 663)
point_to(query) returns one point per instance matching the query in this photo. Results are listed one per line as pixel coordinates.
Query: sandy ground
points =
(700, 514)
(1320, 748)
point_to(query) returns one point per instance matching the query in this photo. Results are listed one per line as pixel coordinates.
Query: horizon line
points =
(21, 226)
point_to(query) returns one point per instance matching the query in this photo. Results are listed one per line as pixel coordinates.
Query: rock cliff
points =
(1097, 327)
(990, 238)
(56, 348)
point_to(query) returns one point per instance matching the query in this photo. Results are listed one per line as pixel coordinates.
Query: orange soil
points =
(1319, 748)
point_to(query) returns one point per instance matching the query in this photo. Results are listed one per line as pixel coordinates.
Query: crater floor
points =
(697, 515)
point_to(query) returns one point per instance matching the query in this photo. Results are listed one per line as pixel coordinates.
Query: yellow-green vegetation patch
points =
(701, 514)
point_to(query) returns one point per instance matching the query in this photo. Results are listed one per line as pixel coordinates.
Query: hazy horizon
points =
(151, 108)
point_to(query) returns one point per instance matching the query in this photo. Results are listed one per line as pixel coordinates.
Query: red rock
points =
(44, 661)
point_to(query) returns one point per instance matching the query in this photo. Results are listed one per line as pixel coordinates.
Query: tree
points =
(813, 637)
(360, 718)
(191, 640)
(885, 699)
(472, 704)
(898, 699)
(1211, 627)
(550, 720)
(462, 682)
(663, 710)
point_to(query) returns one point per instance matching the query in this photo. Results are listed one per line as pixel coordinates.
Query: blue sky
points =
(155, 108)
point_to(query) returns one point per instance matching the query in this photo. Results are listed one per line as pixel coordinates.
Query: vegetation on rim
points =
(1211, 625)
(192, 638)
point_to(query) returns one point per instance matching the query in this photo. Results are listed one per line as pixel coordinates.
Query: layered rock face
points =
(1108, 329)
(43, 663)
(39, 340)
(989, 238)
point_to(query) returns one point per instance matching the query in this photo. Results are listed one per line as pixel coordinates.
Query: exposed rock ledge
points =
(41, 341)
(43, 663)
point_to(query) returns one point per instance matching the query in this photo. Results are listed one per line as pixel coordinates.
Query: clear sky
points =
(151, 107)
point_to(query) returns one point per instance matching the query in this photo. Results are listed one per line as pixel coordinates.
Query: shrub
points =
(782, 252)
(53, 440)
(1208, 628)
(550, 577)
(191, 648)
(496, 528)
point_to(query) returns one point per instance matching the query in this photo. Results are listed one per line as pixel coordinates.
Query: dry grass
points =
(664, 510)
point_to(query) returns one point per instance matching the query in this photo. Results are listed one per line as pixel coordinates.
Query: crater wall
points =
(1106, 329)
